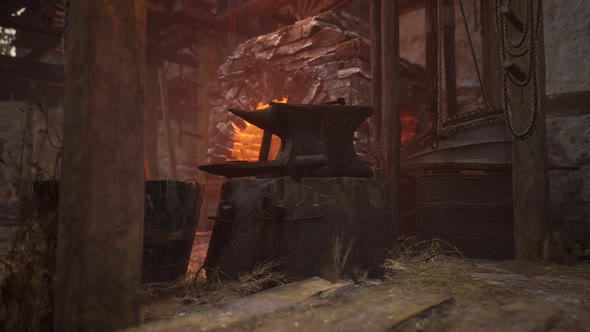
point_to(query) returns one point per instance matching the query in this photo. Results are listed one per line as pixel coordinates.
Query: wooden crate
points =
(472, 212)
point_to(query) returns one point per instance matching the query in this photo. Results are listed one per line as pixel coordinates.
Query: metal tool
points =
(316, 141)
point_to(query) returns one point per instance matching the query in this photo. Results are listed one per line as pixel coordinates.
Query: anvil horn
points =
(266, 119)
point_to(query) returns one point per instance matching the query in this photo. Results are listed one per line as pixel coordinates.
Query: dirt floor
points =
(481, 295)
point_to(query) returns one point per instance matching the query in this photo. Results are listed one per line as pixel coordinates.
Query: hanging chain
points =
(531, 30)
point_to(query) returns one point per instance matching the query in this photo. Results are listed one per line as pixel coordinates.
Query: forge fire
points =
(305, 165)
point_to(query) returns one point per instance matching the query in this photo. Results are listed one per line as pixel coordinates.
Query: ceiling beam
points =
(35, 72)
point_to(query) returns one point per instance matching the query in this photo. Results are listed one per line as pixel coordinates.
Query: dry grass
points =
(336, 258)
(26, 297)
(165, 299)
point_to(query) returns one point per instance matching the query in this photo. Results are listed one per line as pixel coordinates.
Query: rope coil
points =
(508, 48)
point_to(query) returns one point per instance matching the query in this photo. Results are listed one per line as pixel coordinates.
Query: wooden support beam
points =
(448, 17)
(375, 30)
(167, 125)
(43, 49)
(151, 116)
(532, 222)
(99, 254)
(22, 25)
(491, 62)
(430, 52)
(391, 123)
(35, 72)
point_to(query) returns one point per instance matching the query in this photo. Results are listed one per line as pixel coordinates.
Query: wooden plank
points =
(375, 26)
(36, 72)
(150, 131)
(391, 123)
(101, 190)
(472, 212)
(448, 17)
(491, 62)
(532, 222)
(234, 314)
(22, 25)
(568, 104)
(311, 305)
(165, 103)
(430, 53)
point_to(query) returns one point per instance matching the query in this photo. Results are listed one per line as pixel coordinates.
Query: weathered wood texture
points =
(472, 212)
(532, 222)
(312, 305)
(375, 34)
(101, 190)
(390, 116)
(448, 24)
(491, 62)
(171, 217)
(151, 116)
(165, 103)
(296, 223)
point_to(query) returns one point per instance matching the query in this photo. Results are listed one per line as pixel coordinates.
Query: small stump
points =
(313, 226)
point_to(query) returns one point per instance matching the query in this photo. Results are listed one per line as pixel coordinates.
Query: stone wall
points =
(317, 60)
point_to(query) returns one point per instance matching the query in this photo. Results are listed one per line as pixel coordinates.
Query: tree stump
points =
(312, 226)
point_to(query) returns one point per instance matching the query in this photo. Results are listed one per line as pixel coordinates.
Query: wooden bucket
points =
(171, 217)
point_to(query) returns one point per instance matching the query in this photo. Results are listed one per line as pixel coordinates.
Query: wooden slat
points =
(36, 72)
(448, 17)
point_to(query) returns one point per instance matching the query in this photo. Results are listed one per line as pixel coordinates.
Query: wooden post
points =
(166, 118)
(151, 118)
(532, 223)
(430, 54)
(391, 123)
(102, 180)
(375, 139)
(448, 17)
(491, 62)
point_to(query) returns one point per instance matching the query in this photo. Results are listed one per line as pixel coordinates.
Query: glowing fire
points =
(247, 141)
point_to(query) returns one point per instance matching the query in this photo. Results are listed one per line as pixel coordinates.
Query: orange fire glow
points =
(247, 141)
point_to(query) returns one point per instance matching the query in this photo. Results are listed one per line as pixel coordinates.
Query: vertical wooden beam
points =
(391, 123)
(430, 52)
(101, 189)
(532, 223)
(448, 17)
(166, 118)
(491, 62)
(375, 25)
(151, 118)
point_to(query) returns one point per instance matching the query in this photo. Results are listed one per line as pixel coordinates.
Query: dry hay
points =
(26, 297)
(166, 299)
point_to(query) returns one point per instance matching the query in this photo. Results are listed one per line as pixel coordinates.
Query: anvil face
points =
(309, 133)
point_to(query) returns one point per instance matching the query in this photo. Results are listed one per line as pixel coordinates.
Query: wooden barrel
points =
(171, 216)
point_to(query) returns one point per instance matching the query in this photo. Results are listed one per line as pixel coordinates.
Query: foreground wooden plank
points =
(311, 305)
(363, 309)
(235, 313)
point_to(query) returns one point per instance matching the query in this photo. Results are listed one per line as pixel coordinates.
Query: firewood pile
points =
(316, 60)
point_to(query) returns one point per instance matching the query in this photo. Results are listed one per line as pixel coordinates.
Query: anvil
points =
(316, 141)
